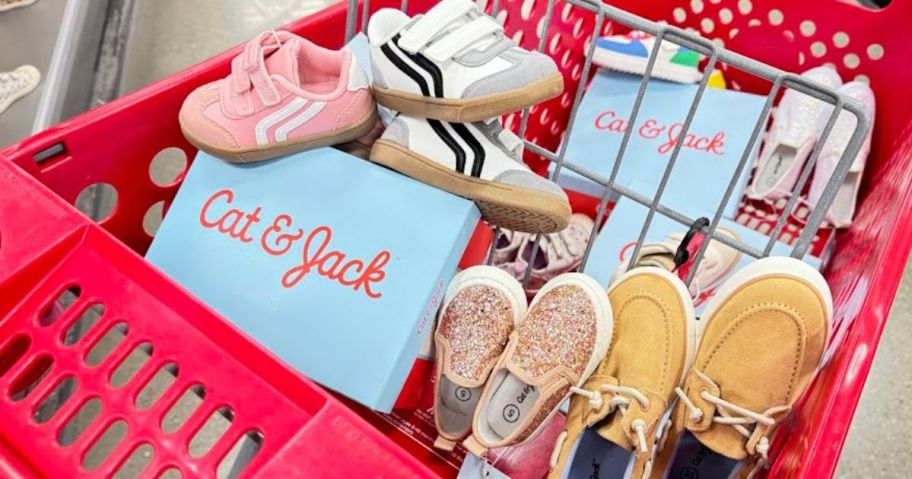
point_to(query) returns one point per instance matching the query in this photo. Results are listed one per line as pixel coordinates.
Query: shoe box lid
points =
(707, 162)
(335, 264)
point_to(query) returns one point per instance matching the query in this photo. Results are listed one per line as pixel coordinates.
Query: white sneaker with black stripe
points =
(480, 161)
(455, 64)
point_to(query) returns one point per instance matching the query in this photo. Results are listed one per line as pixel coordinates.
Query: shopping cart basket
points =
(49, 250)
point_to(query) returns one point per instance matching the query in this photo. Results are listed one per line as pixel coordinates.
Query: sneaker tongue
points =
(284, 62)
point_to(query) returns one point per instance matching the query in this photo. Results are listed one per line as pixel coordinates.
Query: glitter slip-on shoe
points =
(764, 337)
(284, 95)
(480, 309)
(557, 346)
(615, 418)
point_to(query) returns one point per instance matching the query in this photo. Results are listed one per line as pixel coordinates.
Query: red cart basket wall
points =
(46, 246)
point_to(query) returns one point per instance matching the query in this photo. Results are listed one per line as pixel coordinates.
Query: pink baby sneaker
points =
(284, 95)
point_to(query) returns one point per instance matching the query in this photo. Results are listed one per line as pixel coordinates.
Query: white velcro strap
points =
(509, 140)
(461, 38)
(432, 23)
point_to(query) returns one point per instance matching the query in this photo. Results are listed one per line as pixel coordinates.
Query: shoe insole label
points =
(594, 457)
(693, 460)
(456, 406)
(511, 402)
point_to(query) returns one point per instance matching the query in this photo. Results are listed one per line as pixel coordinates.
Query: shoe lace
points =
(619, 401)
(732, 415)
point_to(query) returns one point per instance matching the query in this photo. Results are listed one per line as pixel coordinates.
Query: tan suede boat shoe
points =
(615, 418)
(764, 338)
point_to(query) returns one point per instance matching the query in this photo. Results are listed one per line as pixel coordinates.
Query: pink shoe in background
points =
(797, 125)
(284, 95)
(558, 253)
(507, 247)
(842, 210)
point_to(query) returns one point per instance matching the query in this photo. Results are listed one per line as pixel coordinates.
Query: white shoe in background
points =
(717, 264)
(17, 83)
(11, 4)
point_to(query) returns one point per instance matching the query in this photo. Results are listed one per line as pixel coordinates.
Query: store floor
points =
(171, 34)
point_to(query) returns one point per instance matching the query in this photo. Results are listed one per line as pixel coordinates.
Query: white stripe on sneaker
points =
(281, 133)
(277, 116)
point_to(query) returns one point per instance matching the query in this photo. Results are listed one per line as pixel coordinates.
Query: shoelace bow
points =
(731, 415)
(620, 402)
(248, 70)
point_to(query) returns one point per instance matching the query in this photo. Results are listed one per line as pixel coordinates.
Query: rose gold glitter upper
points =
(477, 324)
(559, 330)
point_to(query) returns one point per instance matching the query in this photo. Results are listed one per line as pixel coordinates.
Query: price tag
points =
(475, 468)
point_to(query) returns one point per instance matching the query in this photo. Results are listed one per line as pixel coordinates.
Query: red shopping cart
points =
(49, 250)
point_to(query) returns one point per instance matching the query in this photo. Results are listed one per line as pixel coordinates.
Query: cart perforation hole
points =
(160, 382)
(240, 455)
(211, 433)
(55, 400)
(131, 364)
(12, 352)
(171, 473)
(83, 324)
(183, 408)
(153, 217)
(97, 201)
(106, 444)
(79, 422)
(55, 309)
(168, 167)
(136, 463)
(31, 377)
(107, 344)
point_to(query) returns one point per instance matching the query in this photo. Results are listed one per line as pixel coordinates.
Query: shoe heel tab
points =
(357, 78)
(384, 24)
(475, 447)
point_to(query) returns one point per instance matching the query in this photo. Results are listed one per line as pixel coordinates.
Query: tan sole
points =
(508, 206)
(355, 148)
(266, 152)
(475, 109)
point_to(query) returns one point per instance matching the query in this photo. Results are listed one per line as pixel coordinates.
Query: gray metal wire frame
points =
(604, 12)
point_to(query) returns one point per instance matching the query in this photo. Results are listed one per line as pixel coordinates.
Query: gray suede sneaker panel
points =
(527, 179)
(527, 68)
(397, 132)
